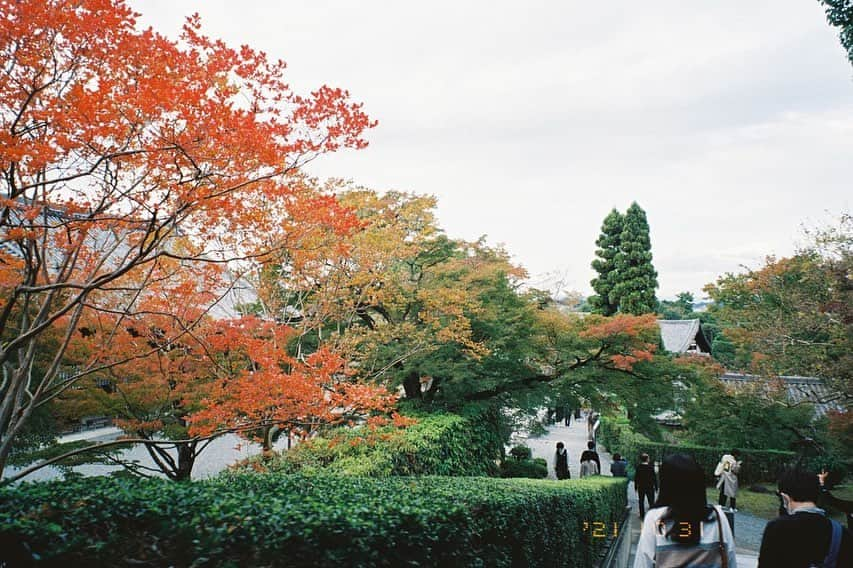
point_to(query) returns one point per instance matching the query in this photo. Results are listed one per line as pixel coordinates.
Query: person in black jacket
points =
(561, 462)
(645, 483)
(802, 537)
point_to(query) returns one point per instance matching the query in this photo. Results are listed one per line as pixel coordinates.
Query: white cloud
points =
(730, 122)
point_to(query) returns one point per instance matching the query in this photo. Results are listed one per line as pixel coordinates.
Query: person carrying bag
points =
(683, 529)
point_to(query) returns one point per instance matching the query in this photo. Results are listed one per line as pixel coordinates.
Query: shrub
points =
(532, 468)
(299, 520)
(758, 465)
(440, 443)
(521, 452)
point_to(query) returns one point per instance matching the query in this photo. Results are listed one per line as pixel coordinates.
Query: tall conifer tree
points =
(604, 302)
(636, 278)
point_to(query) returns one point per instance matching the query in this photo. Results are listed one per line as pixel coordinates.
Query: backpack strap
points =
(831, 559)
(724, 555)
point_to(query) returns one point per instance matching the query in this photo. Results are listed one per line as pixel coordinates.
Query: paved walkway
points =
(748, 528)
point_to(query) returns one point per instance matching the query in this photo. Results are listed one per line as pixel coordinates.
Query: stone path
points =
(748, 528)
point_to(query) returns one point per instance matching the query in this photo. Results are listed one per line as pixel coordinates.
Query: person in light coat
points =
(683, 529)
(727, 471)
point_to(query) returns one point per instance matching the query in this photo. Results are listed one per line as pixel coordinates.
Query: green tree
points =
(725, 352)
(839, 13)
(609, 245)
(636, 277)
(793, 315)
(680, 308)
(746, 419)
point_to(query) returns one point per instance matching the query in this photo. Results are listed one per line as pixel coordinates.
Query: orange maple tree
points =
(234, 375)
(256, 384)
(120, 149)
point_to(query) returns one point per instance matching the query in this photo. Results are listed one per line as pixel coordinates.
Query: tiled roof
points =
(798, 389)
(678, 335)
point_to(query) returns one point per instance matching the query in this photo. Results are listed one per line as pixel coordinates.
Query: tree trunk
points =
(186, 460)
(179, 470)
(267, 443)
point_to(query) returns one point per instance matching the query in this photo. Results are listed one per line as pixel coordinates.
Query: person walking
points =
(619, 467)
(727, 471)
(804, 536)
(561, 462)
(683, 529)
(590, 462)
(645, 483)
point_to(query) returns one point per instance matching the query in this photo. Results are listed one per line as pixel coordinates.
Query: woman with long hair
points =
(683, 529)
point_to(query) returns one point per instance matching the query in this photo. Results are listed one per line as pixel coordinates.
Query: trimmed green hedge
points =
(299, 520)
(758, 465)
(440, 443)
(536, 468)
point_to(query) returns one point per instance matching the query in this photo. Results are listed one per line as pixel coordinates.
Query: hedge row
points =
(299, 520)
(758, 465)
(440, 443)
(535, 468)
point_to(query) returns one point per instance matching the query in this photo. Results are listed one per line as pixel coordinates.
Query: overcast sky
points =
(730, 122)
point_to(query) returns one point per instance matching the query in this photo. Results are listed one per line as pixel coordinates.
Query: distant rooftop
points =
(798, 389)
(683, 336)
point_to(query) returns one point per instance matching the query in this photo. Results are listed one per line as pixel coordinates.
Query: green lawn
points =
(766, 505)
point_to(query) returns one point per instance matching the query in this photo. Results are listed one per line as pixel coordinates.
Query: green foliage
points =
(504, 323)
(793, 316)
(536, 429)
(726, 353)
(758, 465)
(440, 443)
(277, 520)
(38, 432)
(609, 244)
(679, 309)
(839, 13)
(746, 420)
(521, 452)
(532, 468)
(626, 279)
(637, 278)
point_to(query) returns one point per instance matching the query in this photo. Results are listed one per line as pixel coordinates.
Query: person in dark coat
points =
(645, 483)
(591, 454)
(619, 467)
(803, 536)
(561, 462)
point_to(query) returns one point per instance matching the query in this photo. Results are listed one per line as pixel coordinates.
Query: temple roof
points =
(679, 335)
(798, 389)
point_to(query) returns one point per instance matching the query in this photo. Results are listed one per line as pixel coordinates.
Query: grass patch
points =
(766, 505)
(843, 492)
(762, 505)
